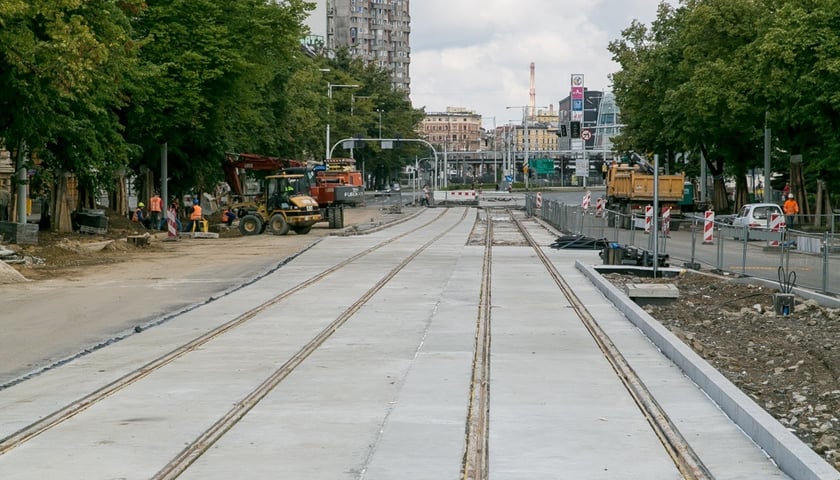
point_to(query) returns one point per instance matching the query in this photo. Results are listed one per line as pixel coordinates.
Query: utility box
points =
(613, 254)
(783, 303)
(19, 233)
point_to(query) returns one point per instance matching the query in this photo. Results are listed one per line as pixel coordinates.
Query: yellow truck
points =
(630, 190)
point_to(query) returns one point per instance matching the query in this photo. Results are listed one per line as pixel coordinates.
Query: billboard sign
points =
(577, 97)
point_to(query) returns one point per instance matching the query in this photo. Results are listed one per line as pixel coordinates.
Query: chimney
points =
(533, 94)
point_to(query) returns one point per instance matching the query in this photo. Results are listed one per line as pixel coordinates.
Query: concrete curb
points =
(795, 458)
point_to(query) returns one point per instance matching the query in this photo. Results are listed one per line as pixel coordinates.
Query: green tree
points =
(65, 68)
(798, 62)
(378, 106)
(690, 84)
(215, 75)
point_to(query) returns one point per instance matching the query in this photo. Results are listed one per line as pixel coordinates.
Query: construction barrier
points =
(666, 221)
(776, 226)
(648, 217)
(171, 224)
(600, 207)
(455, 196)
(708, 227)
(587, 199)
(539, 199)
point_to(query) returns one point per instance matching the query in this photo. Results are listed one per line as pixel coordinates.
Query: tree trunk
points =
(720, 200)
(797, 188)
(823, 204)
(741, 194)
(119, 203)
(61, 206)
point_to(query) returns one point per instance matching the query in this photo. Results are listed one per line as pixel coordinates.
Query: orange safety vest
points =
(196, 213)
(155, 204)
(791, 207)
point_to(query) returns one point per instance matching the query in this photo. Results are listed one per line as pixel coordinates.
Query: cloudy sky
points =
(477, 53)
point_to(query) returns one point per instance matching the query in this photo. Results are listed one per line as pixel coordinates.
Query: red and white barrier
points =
(776, 226)
(648, 217)
(709, 228)
(455, 195)
(600, 207)
(587, 199)
(171, 224)
(666, 221)
(539, 199)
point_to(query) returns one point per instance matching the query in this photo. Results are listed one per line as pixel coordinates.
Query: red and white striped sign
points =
(539, 199)
(587, 199)
(776, 226)
(648, 217)
(600, 207)
(171, 224)
(708, 227)
(666, 221)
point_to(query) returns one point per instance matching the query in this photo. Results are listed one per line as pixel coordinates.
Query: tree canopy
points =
(708, 75)
(95, 87)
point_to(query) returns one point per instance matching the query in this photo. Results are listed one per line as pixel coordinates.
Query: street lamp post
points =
(353, 99)
(330, 87)
(380, 121)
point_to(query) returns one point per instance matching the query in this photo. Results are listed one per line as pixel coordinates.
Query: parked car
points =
(758, 215)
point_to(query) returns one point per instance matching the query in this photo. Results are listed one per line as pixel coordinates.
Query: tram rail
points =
(468, 363)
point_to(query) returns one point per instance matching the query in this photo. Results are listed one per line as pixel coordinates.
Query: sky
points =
(476, 54)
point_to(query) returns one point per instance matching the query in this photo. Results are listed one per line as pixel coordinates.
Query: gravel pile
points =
(790, 365)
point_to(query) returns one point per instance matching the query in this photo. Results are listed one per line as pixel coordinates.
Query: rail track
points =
(380, 267)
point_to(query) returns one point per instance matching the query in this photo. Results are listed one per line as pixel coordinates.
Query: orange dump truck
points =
(630, 190)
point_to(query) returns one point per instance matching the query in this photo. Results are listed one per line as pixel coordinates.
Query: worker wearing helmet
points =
(195, 215)
(138, 215)
(791, 209)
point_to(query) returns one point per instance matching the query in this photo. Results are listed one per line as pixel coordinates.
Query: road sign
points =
(543, 165)
(586, 134)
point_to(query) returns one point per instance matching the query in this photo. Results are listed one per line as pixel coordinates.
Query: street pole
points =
(330, 86)
(353, 113)
(768, 190)
(329, 102)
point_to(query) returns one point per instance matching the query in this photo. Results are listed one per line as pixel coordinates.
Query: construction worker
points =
(791, 209)
(138, 215)
(228, 216)
(156, 210)
(195, 216)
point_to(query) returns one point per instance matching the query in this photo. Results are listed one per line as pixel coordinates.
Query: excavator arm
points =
(252, 161)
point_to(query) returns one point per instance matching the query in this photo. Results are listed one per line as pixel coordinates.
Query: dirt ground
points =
(63, 255)
(790, 365)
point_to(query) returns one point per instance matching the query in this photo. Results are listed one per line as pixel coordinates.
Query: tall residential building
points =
(376, 31)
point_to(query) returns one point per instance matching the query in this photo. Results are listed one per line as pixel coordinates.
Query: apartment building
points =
(376, 31)
(455, 130)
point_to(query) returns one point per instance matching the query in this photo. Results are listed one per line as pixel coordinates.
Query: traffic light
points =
(562, 131)
(530, 172)
(575, 129)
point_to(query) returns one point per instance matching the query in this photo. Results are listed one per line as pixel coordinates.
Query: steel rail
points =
(476, 462)
(178, 465)
(72, 409)
(684, 457)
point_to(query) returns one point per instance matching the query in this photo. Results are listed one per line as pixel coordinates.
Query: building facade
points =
(455, 130)
(376, 31)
